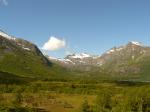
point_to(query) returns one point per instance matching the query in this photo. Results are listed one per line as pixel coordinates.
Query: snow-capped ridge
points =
(67, 61)
(80, 56)
(5, 35)
(136, 43)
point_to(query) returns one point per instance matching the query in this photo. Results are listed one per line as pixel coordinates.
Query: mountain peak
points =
(80, 56)
(5, 35)
(135, 43)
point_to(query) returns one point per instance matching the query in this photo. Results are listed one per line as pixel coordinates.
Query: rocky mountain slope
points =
(132, 59)
(23, 58)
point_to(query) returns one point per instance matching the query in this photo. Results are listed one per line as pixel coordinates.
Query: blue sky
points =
(91, 26)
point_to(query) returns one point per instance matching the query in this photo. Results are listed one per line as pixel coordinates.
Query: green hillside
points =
(16, 60)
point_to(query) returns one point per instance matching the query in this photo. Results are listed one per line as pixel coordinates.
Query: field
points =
(72, 96)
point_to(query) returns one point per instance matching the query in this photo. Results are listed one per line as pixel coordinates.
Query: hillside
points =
(23, 58)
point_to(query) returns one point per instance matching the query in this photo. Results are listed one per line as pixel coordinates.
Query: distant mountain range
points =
(23, 58)
(132, 59)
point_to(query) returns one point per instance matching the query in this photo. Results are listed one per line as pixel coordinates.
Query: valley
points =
(116, 81)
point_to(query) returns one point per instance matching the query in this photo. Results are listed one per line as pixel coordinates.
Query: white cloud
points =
(4, 2)
(54, 44)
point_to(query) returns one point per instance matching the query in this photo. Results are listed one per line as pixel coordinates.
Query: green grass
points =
(70, 96)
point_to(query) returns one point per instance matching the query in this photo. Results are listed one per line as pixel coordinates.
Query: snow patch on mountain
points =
(136, 43)
(80, 56)
(110, 51)
(23, 47)
(119, 49)
(5, 35)
(122, 47)
(69, 61)
(66, 61)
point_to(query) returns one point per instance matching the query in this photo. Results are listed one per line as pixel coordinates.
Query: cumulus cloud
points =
(54, 44)
(4, 2)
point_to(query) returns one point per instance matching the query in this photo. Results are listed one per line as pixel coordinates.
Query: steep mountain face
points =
(11, 44)
(125, 59)
(132, 59)
(21, 57)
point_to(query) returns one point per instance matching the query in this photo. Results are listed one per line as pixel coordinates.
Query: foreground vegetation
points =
(74, 96)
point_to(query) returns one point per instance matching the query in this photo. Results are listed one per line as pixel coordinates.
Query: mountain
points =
(130, 60)
(23, 58)
(82, 61)
(20, 58)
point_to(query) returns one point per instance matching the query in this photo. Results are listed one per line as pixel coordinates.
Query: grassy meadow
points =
(74, 96)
